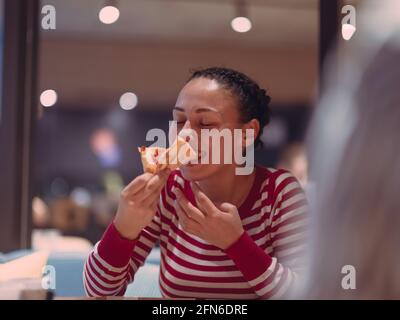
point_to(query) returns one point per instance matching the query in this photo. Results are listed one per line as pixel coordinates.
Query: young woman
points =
(225, 236)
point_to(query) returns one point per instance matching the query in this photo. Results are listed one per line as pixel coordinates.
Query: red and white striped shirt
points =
(263, 263)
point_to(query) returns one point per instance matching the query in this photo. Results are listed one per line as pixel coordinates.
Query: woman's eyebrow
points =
(206, 109)
(198, 110)
(178, 109)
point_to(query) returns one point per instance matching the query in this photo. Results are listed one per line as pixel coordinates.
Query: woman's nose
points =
(186, 129)
(187, 125)
(189, 133)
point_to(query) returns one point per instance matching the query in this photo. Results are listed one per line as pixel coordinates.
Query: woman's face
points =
(204, 104)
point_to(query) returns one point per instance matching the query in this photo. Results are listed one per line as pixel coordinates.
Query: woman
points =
(226, 236)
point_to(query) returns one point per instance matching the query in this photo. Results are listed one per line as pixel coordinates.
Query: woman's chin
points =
(194, 172)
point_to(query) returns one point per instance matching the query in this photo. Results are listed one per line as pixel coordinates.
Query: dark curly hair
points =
(253, 100)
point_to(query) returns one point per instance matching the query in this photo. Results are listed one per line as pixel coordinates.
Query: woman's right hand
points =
(138, 203)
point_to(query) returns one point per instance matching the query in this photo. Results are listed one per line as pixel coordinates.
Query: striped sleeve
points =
(273, 275)
(112, 264)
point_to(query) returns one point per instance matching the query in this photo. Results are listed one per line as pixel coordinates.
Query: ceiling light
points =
(241, 23)
(48, 98)
(109, 13)
(128, 101)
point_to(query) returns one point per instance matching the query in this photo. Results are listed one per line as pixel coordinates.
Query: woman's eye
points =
(207, 124)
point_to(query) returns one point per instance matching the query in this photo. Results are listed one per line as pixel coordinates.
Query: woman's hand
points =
(219, 225)
(138, 203)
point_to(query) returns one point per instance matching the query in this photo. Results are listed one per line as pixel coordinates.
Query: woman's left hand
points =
(218, 225)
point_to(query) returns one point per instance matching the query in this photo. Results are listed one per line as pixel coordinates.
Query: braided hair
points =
(253, 100)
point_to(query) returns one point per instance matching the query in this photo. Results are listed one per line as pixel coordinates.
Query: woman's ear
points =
(253, 125)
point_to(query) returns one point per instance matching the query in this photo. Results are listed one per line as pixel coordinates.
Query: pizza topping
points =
(155, 159)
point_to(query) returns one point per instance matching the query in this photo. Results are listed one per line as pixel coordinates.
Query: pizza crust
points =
(156, 159)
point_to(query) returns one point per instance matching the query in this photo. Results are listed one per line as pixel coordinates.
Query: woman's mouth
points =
(199, 157)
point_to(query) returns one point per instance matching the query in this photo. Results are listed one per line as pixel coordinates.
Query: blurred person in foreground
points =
(355, 165)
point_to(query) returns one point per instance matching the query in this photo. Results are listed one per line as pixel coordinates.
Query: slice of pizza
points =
(180, 153)
(150, 157)
(155, 159)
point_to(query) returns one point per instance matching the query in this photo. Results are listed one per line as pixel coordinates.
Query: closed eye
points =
(207, 124)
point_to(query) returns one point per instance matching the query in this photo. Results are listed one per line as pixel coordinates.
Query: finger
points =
(227, 207)
(158, 181)
(138, 183)
(153, 186)
(190, 210)
(154, 197)
(182, 217)
(205, 204)
(186, 222)
(192, 232)
(154, 206)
